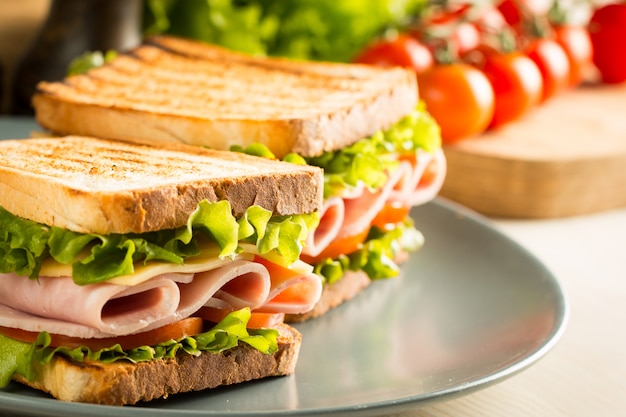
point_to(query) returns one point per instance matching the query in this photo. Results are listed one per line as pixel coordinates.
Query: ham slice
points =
(331, 220)
(294, 295)
(361, 210)
(108, 308)
(57, 305)
(234, 286)
(357, 208)
(408, 190)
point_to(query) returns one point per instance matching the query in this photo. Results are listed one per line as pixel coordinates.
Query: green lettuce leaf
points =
(14, 356)
(369, 159)
(377, 255)
(23, 245)
(83, 63)
(22, 358)
(331, 30)
(224, 232)
(96, 258)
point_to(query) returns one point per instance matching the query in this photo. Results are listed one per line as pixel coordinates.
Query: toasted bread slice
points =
(125, 383)
(176, 90)
(94, 185)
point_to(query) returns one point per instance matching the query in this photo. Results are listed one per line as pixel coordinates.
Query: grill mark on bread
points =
(103, 186)
(175, 90)
(192, 88)
(189, 78)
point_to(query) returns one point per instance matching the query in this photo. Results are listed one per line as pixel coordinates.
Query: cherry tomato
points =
(576, 43)
(403, 50)
(553, 64)
(190, 326)
(607, 28)
(515, 79)
(460, 99)
(511, 11)
(516, 12)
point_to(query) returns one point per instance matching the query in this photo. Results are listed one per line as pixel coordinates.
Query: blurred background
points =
(39, 38)
(502, 78)
(19, 22)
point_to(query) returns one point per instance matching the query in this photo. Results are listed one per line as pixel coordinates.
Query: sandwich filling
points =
(370, 187)
(206, 286)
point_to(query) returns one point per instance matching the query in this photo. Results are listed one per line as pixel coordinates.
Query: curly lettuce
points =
(25, 244)
(329, 30)
(23, 358)
(376, 257)
(370, 159)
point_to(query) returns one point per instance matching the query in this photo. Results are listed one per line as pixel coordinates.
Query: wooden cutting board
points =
(564, 158)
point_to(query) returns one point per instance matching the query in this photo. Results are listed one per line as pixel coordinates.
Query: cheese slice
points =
(207, 260)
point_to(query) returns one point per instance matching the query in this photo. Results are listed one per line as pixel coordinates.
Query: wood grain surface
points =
(566, 157)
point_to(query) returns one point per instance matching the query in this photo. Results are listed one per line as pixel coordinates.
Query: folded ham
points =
(354, 211)
(58, 305)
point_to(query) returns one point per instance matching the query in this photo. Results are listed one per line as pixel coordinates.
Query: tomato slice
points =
(429, 175)
(278, 273)
(392, 213)
(257, 320)
(190, 326)
(341, 246)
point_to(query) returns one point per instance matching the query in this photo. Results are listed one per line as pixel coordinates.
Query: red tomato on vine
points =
(460, 99)
(553, 64)
(576, 43)
(515, 79)
(607, 28)
(403, 51)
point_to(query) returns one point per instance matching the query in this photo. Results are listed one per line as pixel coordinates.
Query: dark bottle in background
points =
(2, 98)
(73, 27)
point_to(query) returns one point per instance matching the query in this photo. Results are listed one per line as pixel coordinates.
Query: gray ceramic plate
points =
(470, 309)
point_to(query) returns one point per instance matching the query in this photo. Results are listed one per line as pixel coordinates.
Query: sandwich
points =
(131, 271)
(364, 126)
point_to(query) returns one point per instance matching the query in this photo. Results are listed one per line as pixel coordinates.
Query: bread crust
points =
(176, 90)
(125, 383)
(93, 185)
